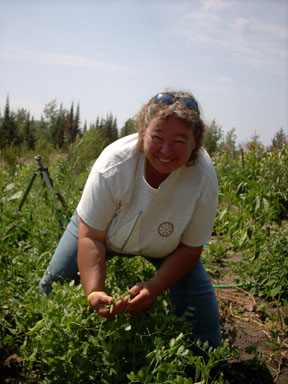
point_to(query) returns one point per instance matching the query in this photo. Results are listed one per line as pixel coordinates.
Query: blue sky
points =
(112, 56)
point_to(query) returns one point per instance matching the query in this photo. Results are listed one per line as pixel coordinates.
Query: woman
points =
(152, 194)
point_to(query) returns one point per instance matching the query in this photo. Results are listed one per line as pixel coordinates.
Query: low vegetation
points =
(61, 340)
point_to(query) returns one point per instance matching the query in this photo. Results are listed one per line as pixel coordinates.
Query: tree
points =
(29, 129)
(230, 139)
(128, 129)
(8, 129)
(280, 139)
(109, 129)
(255, 144)
(88, 147)
(51, 120)
(63, 126)
(72, 124)
(212, 138)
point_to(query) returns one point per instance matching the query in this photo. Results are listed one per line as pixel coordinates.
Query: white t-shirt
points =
(143, 220)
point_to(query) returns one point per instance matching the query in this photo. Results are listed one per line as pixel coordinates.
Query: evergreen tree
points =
(76, 123)
(109, 129)
(97, 125)
(213, 136)
(85, 127)
(280, 139)
(9, 134)
(128, 129)
(230, 139)
(22, 116)
(69, 125)
(29, 133)
(73, 124)
(61, 127)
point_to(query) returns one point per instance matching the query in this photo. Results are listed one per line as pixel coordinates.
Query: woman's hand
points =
(106, 306)
(144, 294)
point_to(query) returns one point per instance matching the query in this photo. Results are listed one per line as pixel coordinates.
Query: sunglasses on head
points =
(167, 98)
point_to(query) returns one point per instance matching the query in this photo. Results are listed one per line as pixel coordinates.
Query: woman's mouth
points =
(165, 160)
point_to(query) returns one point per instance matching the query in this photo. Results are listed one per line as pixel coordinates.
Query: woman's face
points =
(167, 147)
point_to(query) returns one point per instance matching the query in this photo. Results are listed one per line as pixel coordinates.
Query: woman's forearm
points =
(176, 265)
(91, 258)
(173, 268)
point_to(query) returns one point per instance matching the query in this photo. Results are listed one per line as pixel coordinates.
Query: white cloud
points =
(216, 4)
(46, 58)
(225, 80)
(249, 40)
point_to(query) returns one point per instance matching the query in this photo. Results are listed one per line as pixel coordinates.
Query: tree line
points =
(60, 127)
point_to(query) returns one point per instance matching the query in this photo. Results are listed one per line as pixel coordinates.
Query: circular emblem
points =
(165, 229)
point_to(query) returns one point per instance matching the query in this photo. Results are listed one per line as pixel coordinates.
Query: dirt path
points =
(261, 357)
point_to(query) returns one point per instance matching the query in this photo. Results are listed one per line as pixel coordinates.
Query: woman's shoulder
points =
(119, 153)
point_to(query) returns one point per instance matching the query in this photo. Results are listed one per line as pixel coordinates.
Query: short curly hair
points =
(159, 111)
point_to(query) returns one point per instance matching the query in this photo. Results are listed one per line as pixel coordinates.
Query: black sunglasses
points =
(167, 98)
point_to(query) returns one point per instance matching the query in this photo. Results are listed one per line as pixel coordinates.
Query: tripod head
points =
(38, 158)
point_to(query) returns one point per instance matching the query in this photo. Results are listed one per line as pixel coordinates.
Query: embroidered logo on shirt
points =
(165, 229)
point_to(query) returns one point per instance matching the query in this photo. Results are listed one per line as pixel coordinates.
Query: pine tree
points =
(108, 128)
(213, 135)
(280, 139)
(9, 134)
(69, 126)
(29, 133)
(128, 129)
(85, 127)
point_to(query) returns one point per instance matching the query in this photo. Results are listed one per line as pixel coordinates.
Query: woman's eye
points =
(179, 142)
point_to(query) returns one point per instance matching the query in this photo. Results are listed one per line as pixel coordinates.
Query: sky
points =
(112, 56)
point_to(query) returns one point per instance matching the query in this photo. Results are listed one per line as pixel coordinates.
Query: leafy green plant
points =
(60, 339)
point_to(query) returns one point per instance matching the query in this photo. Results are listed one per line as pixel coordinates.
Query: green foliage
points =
(213, 136)
(60, 339)
(8, 127)
(252, 217)
(128, 129)
(87, 148)
(280, 139)
(62, 126)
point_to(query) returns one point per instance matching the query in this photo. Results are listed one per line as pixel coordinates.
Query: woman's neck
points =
(152, 176)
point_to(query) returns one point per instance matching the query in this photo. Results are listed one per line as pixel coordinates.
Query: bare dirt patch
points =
(261, 349)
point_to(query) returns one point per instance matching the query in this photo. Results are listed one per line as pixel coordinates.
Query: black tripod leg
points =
(49, 183)
(47, 179)
(27, 191)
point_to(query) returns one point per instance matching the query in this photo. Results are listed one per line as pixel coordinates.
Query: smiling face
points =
(168, 147)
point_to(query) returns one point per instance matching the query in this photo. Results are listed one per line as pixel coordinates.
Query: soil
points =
(259, 356)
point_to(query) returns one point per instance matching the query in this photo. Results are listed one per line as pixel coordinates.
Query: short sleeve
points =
(199, 229)
(97, 206)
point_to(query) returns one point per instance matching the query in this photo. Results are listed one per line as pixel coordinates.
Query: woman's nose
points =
(166, 148)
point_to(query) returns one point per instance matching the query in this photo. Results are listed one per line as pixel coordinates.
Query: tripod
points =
(49, 184)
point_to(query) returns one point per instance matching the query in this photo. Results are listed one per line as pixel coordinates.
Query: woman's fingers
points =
(135, 290)
(106, 306)
(99, 299)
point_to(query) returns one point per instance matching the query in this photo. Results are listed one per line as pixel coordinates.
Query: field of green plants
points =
(61, 340)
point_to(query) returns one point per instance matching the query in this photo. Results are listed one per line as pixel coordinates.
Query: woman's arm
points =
(92, 268)
(175, 266)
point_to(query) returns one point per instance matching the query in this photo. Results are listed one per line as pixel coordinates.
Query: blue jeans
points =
(193, 290)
